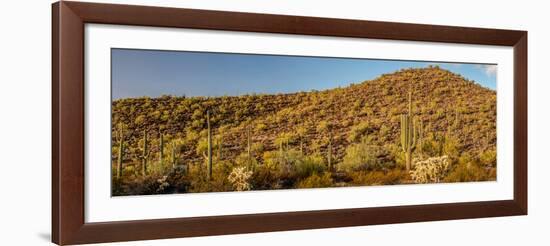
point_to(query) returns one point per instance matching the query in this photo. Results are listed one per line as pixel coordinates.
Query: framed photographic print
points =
(176, 122)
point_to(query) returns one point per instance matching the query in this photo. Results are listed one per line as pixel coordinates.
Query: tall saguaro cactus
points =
(249, 143)
(173, 154)
(420, 135)
(220, 143)
(209, 144)
(221, 132)
(282, 140)
(327, 127)
(329, 157)
(301, 131)
(120, 137)
(408, 134)
(145, 153)
(161, 147)
(457, 118)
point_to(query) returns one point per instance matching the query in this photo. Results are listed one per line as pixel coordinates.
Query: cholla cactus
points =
(431, 170)
(239, 178)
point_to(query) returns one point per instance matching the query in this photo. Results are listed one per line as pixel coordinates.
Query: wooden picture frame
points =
(68, 223)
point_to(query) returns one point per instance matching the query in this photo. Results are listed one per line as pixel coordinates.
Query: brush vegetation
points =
(368, 133)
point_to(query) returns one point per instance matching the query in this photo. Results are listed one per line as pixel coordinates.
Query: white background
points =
(25, 123)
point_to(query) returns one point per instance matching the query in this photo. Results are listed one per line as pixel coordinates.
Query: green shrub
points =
(385, 133)
(244, 160)
(139, 120)
(363, 156)
(468, 170)
(156, 169)
(199, 182)
(260, 127)
(309, 165)
(264, 178)
(390, 177)
(488, 158)
(316, 181)
(272, 159)
(359, 131)
(432, 147)
(466, 173)
(452, 147)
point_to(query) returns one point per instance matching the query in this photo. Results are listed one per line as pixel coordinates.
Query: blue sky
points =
(151, 73)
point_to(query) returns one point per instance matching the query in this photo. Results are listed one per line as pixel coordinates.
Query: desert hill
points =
(446, 103)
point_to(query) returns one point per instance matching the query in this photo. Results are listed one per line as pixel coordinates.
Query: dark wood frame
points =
(68, 224)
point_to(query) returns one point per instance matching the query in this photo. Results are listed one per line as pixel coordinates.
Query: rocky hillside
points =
(446, 103)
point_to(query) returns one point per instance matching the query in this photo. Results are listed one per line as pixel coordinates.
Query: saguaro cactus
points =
(249, 143)
(301, 131)
(325, 126)
(282, 141)
(120, 138)
(221, 132)
(329, 150)
(457, 118)
(209, 144)
(281, 150)
(173, 154)
(161, 147)
(408, 134)
(220, 143)
(145, 153)
(420, 136)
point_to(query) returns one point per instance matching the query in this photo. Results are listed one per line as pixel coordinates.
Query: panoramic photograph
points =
(194, 122)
